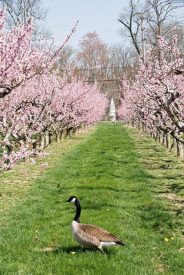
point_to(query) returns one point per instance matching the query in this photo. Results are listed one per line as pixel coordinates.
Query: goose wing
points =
(101, 234)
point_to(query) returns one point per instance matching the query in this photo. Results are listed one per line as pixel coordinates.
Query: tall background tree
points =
(152, 98)
(92, 56)
(97, 62)
(19, 12)
(144, 21)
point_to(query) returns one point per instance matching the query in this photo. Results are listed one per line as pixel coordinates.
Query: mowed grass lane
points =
(115, 193)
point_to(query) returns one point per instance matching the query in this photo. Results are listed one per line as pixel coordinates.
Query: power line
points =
(94, 68)
(101, 80)
(84, 23)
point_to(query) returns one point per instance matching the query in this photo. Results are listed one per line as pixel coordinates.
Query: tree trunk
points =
(42, 145)
(168, 141)
(159, 137)
(155, 136)
(69, 132)
(179, 147)
(47, 138)
(163, 139)
(173, 144)
(58, 136)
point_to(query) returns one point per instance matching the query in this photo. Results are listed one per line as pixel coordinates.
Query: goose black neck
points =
(78, 211)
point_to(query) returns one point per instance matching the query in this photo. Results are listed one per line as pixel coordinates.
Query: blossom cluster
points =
(35, 102)
(154, 99)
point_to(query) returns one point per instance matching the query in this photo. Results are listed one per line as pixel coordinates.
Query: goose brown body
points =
(89, 235)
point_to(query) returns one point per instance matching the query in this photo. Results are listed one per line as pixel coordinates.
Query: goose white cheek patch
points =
(73, 200)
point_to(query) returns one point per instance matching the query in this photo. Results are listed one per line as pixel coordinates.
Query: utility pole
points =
(143, 50)
(143, 37)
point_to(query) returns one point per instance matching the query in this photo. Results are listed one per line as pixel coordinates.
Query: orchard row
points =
(35, 102)
(154, 99)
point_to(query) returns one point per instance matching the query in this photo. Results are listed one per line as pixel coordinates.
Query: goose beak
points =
(67, 200)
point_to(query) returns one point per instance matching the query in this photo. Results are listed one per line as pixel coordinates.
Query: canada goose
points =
(89, 235)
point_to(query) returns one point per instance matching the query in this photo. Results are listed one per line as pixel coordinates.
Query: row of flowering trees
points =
(154, 99)
(35, 102)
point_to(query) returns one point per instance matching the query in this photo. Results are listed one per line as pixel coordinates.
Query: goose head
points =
(72, 199)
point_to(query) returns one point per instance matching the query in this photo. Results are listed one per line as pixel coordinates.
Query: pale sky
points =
(93, 15)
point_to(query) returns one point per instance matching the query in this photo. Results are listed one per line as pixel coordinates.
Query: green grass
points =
(14, 183)
(108, 172)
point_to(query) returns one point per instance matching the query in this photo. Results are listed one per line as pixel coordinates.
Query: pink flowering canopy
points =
(34, 99)
(155, 97)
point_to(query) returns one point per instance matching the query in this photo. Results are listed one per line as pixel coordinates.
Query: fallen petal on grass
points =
(46, 249)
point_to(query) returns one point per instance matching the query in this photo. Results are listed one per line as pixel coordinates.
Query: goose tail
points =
(119, 242)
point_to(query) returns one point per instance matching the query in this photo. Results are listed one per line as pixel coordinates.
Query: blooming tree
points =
(35, 102)
(20, 61)
(155, 98)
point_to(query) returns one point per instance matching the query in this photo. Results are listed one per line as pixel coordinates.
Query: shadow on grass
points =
(178, 212)
(72, 250)
(157, 217)
(176, 187)
(65, 190)
(107, 188)
(173, 187)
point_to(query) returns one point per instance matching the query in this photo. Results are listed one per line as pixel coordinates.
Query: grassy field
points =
(126, 182)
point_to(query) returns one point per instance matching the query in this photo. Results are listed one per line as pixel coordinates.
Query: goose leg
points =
(101, 249)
